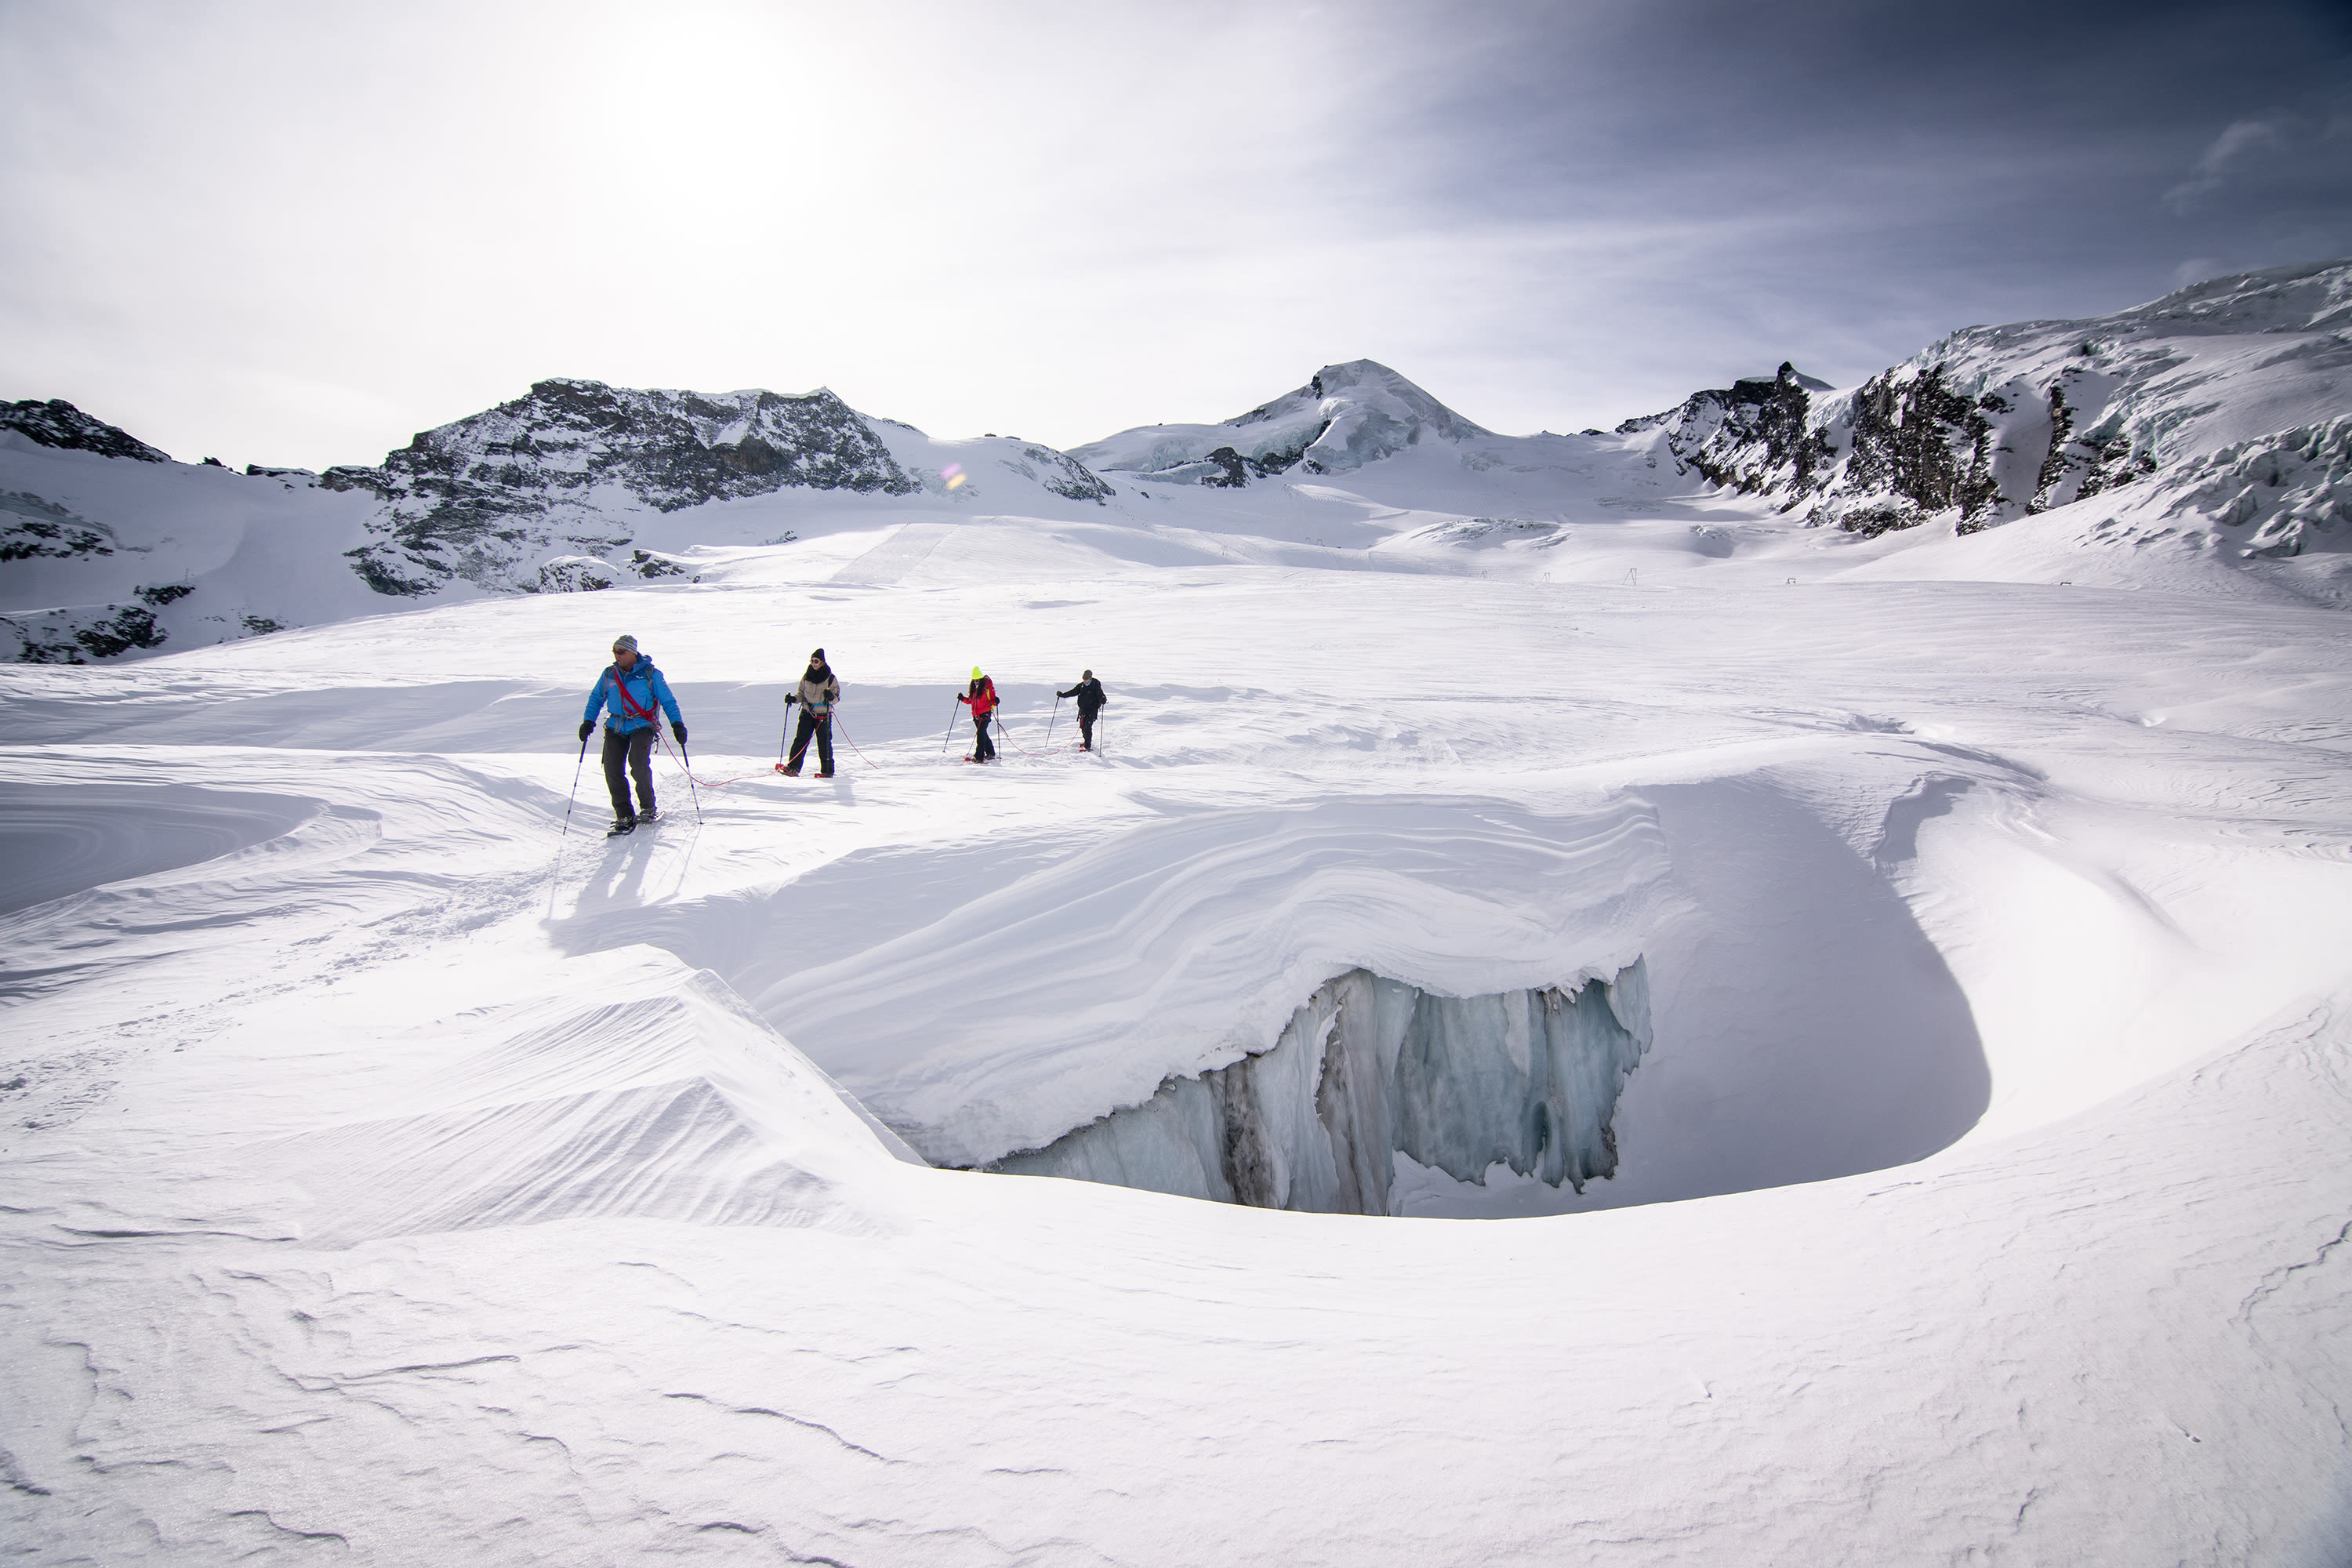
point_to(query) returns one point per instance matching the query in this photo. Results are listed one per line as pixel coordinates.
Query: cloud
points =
(297, 233)
(2237, 146)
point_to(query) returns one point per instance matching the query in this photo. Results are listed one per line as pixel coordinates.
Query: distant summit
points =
(485, 497)
(1345, 416)
(59, 423)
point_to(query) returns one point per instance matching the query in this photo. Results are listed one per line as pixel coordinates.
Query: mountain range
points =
(2209, 430)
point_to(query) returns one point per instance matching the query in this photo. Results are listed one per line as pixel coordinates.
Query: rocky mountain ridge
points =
(58, 424)
(2217, 419)
(1993, 424)
(485, 497)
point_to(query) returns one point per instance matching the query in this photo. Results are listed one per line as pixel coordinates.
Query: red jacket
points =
(984, 701)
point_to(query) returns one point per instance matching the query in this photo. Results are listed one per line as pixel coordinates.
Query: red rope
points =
(852, 746)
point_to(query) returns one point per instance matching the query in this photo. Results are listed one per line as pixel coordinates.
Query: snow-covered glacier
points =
(1370, 1067)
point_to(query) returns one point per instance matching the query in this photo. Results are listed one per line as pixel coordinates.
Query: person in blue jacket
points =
(630, 691)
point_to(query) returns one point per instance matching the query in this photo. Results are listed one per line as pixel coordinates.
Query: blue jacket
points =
(645, 685)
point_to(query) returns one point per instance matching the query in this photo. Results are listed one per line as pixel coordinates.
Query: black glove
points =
(587, 728)
(790, 697)
(680, 731)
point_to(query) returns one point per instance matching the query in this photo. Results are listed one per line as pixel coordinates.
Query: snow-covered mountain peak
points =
(2311, 297)
(58, 424)
(1345, 416)
(485, 497)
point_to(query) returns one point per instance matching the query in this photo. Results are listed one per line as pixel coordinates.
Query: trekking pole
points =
(577, 768)
(1049, 721)
(951, 729)
(687, 768)
(784, 734)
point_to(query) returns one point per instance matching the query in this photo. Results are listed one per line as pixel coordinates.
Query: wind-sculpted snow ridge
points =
(484, 497)
(58, 841)
(1994, 424)
(1345, 416)
(1368, 1068)
(1182, 946)
(638, 1093)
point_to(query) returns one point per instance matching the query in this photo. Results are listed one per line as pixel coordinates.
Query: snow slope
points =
(393, 1168)
(360, 1126)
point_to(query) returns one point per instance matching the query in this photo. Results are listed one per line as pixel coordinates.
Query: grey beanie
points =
(624, 641)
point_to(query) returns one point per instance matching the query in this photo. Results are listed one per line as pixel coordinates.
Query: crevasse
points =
(1369, 1068)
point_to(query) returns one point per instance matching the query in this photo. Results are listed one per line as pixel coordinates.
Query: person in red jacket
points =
(982, 697)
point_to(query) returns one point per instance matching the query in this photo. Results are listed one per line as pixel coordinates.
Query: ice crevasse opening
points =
(1370, 1067)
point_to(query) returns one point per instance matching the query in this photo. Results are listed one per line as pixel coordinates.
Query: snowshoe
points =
(646, 816)
(621, 824)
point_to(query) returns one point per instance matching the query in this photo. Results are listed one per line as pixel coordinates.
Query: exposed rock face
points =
(78, 636)
(1751, 435)
(574, 574)
(30, 526)
(1059, 472)
(1994, 424)
(58, 423)
(1345, 416)
(485, 499)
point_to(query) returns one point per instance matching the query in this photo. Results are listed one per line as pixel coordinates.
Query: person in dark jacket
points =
(982, 697)
(817, 694)
(630, 691)
(1089, 693)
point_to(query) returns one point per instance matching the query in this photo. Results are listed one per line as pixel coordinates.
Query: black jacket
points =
(1089, 694)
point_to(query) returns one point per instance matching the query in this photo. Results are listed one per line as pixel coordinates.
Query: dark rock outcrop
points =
(78, 636)
(59, 423)
(485, 499)
(30, 526)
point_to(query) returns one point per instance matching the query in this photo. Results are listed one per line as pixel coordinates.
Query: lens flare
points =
(953, 473)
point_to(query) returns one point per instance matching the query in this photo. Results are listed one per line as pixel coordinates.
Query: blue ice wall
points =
(1369, 1068)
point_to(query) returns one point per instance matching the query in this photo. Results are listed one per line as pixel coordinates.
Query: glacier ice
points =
(1369, 1068)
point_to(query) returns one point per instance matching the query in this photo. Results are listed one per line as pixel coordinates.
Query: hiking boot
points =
(621, 824)
(646, 816)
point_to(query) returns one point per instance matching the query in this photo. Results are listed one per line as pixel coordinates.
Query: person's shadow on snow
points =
(622, 877)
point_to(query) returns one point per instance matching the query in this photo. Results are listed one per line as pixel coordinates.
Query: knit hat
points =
(624, 641)
(1086, 674)
(817, 657)
(975, 672)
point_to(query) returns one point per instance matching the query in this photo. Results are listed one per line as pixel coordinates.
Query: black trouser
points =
(822, 728)
(982, 748)
(1087, 727)
(634, 748)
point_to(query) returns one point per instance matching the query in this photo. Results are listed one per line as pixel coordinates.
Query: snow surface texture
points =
(388, 1174)
(1370, 1068)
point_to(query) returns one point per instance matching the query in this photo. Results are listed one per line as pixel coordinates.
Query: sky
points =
(287, 233)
